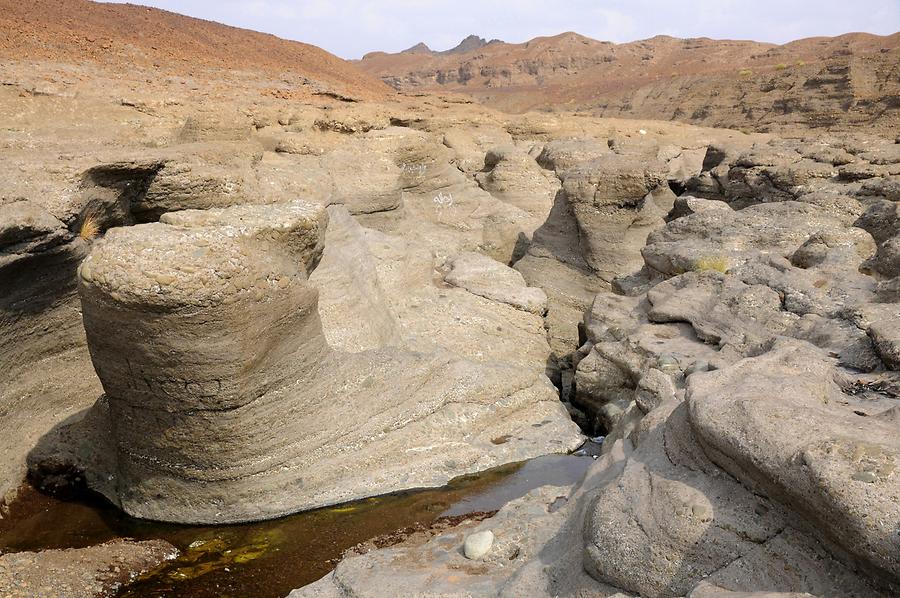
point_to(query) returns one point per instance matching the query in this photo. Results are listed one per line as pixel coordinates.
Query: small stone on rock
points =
(865, 476)
(478, 544)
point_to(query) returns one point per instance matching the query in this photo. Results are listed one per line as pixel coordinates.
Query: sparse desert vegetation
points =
(90, 228)
(716, 263)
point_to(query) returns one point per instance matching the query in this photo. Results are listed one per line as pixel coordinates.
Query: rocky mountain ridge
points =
(469, 44)
(850, 80)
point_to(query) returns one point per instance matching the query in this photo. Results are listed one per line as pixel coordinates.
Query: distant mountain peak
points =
(419, 48)
(472, 42)
(469, 44)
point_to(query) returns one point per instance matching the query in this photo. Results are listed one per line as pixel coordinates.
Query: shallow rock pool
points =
(270, 558)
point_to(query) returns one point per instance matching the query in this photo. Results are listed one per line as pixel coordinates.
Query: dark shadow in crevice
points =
(111, 191)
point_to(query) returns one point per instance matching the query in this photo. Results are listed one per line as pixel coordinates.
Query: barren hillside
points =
(120, 35)
(853, 79)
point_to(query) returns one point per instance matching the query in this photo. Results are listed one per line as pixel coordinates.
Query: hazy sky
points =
(350, 28)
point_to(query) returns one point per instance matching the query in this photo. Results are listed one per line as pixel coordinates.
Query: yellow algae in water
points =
(184, 573)
(269, 536)
(207, 546)
(245, 554)
(344, 509)
(203, 549)
(205, 556)
(256, 546)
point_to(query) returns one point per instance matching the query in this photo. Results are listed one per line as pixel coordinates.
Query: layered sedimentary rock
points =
(114, 158)
(256, 362)
(39, 323)
(613, 204)
(840, 82)
(225, 403)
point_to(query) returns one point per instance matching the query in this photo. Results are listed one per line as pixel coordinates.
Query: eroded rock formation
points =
(290, 298)
(745, 378)
(224, 402)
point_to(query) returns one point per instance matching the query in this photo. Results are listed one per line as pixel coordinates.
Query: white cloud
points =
(617, 26)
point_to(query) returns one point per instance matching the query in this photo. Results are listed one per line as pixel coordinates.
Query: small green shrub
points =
(745, 73)
(707, 263)
(781, 66)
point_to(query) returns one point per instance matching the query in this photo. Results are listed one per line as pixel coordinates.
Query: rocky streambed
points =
(742, 366)
(232, 313)
(267, 559)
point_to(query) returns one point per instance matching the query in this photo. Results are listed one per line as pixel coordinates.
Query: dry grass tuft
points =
(90, 228)
(718, 263)
(745, 73)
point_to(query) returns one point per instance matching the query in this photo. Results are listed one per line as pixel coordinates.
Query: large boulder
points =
(488, 278)
(515, 177)
(887, 260)
(615, 211)
(881, 219)
(224, 402)
(781, 425)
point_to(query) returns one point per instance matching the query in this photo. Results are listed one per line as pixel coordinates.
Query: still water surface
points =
(269, 558)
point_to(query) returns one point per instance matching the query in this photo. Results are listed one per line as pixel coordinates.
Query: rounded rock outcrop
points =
(224, 401)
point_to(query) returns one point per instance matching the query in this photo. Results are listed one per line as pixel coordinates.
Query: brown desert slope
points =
(853, 79)
(120, 35)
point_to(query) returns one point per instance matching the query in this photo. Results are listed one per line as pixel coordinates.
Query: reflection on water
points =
(269, 558)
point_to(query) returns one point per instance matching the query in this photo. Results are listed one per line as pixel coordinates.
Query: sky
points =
(351, 28)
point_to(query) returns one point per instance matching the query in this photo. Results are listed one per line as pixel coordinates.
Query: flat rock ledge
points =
(224, 402)
(80, 572)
